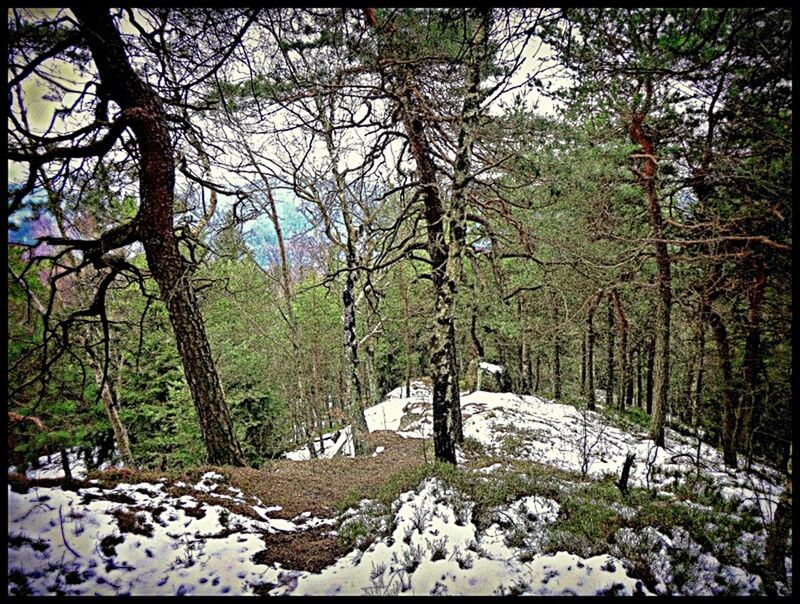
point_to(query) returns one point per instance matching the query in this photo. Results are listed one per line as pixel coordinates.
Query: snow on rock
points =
(491, 367)
(388, 414)
(335, 443)
(434, 551)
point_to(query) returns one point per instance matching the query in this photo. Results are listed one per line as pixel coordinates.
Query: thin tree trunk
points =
(556, 374)
(355, 394)
(728, 392)
(639, 375)
(624, 358)
(651, 355)
(537, 374)
(109, 397)
(610, 356)
(664, 306)
(752, 366)
(437, 251)
(524, 353)
(590, 340)
(698, 387)
(583, 366)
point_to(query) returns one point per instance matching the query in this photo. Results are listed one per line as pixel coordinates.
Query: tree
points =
(142, 111)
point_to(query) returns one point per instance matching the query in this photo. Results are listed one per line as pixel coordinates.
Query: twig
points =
(63, 536)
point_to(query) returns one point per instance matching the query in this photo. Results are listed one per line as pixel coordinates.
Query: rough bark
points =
(445, 255)
(610, 356)
(651, 356)
(355, 389)
(624, 352)
(524, 352)
(590, 340)
(556, 374)
(720, 334)
(697, 397)
(583, 366)
(664, 281)
(153, 226)
(751, 406)
(639, 375)
(777, 534)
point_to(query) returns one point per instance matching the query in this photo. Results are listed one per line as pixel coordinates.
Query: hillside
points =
(532, 508)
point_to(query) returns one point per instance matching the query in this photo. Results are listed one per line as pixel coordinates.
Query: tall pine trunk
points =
(664, 282)
(153, 226)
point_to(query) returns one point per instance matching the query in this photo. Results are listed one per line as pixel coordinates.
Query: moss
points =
(584, 526)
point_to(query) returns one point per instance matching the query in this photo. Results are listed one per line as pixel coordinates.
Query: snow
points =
(428, 551)
(70, 542)
(491, 368)
(335, 443)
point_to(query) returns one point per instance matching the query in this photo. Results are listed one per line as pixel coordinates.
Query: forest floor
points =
(531, 508)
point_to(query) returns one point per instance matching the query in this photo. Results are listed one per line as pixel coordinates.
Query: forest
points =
(516, 257)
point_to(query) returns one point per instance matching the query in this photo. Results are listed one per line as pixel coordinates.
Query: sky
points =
(41, 104)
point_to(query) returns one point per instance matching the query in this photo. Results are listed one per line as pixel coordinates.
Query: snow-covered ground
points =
(138, 539)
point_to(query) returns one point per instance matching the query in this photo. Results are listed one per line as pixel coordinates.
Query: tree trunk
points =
(524, 353)
(752, 366)
(777, 534)
(443, 445)
(664, 306)
(698, 385)
(456, 425)
(354, 388)
(109, 397)
(729, 393)
(639, 399)
(651, 356)
(153, 226)
(537, 374)
(590, 340)
(556, 375)
(610, 357)
(624, 353)
(583, 366)
(445, 257)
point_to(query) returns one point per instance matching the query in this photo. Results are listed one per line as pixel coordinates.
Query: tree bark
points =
(777, 533)
(556, 374)
(610, 356)
(590, 340)
(728, 392)
(445, 256)
(537, 374)
(153, 226)
(639, 375)
(651, 356)
(355, 389)
(664, 282)
(109, 397)
(583, 366)
(444, 448)
(624, 353)
(750, 411)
